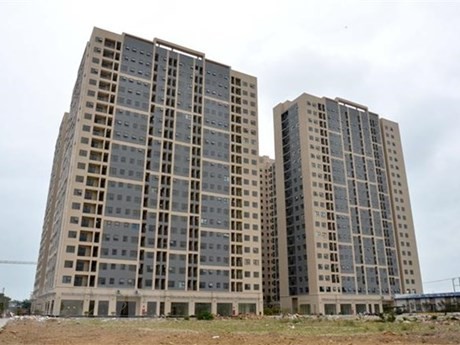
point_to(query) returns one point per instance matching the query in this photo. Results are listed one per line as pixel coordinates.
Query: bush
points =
(205, 315)
(272, 311)
(388, 316)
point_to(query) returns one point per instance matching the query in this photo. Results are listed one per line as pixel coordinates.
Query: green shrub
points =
(272, 311)
(388, 316)
(205, 315)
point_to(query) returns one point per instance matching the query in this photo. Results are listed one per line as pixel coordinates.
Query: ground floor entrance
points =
(333, 306)
(124, 305)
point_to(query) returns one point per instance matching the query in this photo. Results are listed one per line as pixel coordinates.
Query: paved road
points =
(3, 322)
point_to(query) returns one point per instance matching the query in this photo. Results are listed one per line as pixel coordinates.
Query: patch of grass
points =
(300, 326)
(349, 323)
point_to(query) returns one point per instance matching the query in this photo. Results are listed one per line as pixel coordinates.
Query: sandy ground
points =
(79, 332)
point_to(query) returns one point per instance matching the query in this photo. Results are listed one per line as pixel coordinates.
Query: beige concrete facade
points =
(153, 206)
(338, 249)
(409, 265)
(269, 232)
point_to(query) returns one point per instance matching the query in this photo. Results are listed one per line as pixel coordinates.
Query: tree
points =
(20, 307)
(4, 303)
(26, 304)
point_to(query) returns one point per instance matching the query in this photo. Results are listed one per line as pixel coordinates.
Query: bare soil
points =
(258, 331)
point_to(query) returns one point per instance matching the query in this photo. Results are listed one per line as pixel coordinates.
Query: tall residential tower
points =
(270, 271)
(346, 235)
(153, 205)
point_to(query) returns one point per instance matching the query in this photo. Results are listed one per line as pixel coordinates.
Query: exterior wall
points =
(245, 204)
(51, 205)
(409, 266)
(270, 271)
(280, 209)
(337, 241)
(157, 205)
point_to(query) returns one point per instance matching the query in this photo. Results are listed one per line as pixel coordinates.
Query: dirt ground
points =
(224, 332)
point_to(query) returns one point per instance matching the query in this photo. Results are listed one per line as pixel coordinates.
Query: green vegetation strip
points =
(312, 327)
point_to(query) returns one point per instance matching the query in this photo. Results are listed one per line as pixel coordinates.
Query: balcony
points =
(84, 251)
(104, 86)
(95, 156)
(82, 266)
(94, 168)
(107, 64)
(87, 222)
(108, 54)
(99, 132)
(80, 280)
(106, 75)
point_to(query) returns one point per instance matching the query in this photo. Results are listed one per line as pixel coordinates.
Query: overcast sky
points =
(402, 59)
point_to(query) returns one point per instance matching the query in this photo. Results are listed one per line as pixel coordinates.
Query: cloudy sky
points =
(402, 59)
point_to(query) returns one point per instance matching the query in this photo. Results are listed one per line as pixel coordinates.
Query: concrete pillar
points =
(85, 305)
(214, 306)
(142, 309)
(55, 306)
(112, 306)
(234, 308)
(167, 306)
(191, 307)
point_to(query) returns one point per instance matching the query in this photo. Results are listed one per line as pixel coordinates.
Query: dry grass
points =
(256, 331)
(300, 326)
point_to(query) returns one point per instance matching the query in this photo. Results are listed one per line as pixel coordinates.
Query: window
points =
(66, 279)
(72, 234)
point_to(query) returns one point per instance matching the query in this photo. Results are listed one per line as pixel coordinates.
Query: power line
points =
(440, 280)
(13, 262)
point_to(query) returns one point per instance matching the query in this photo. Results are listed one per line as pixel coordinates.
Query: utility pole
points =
(455, 284)
(3, 303)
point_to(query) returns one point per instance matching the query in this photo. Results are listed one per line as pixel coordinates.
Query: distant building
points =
(345, 231)
(270, 271)
(153, 206)
(429, 302)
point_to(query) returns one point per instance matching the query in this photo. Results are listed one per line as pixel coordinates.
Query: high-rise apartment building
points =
(153, 205)
(270, 271)
(346, 235)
